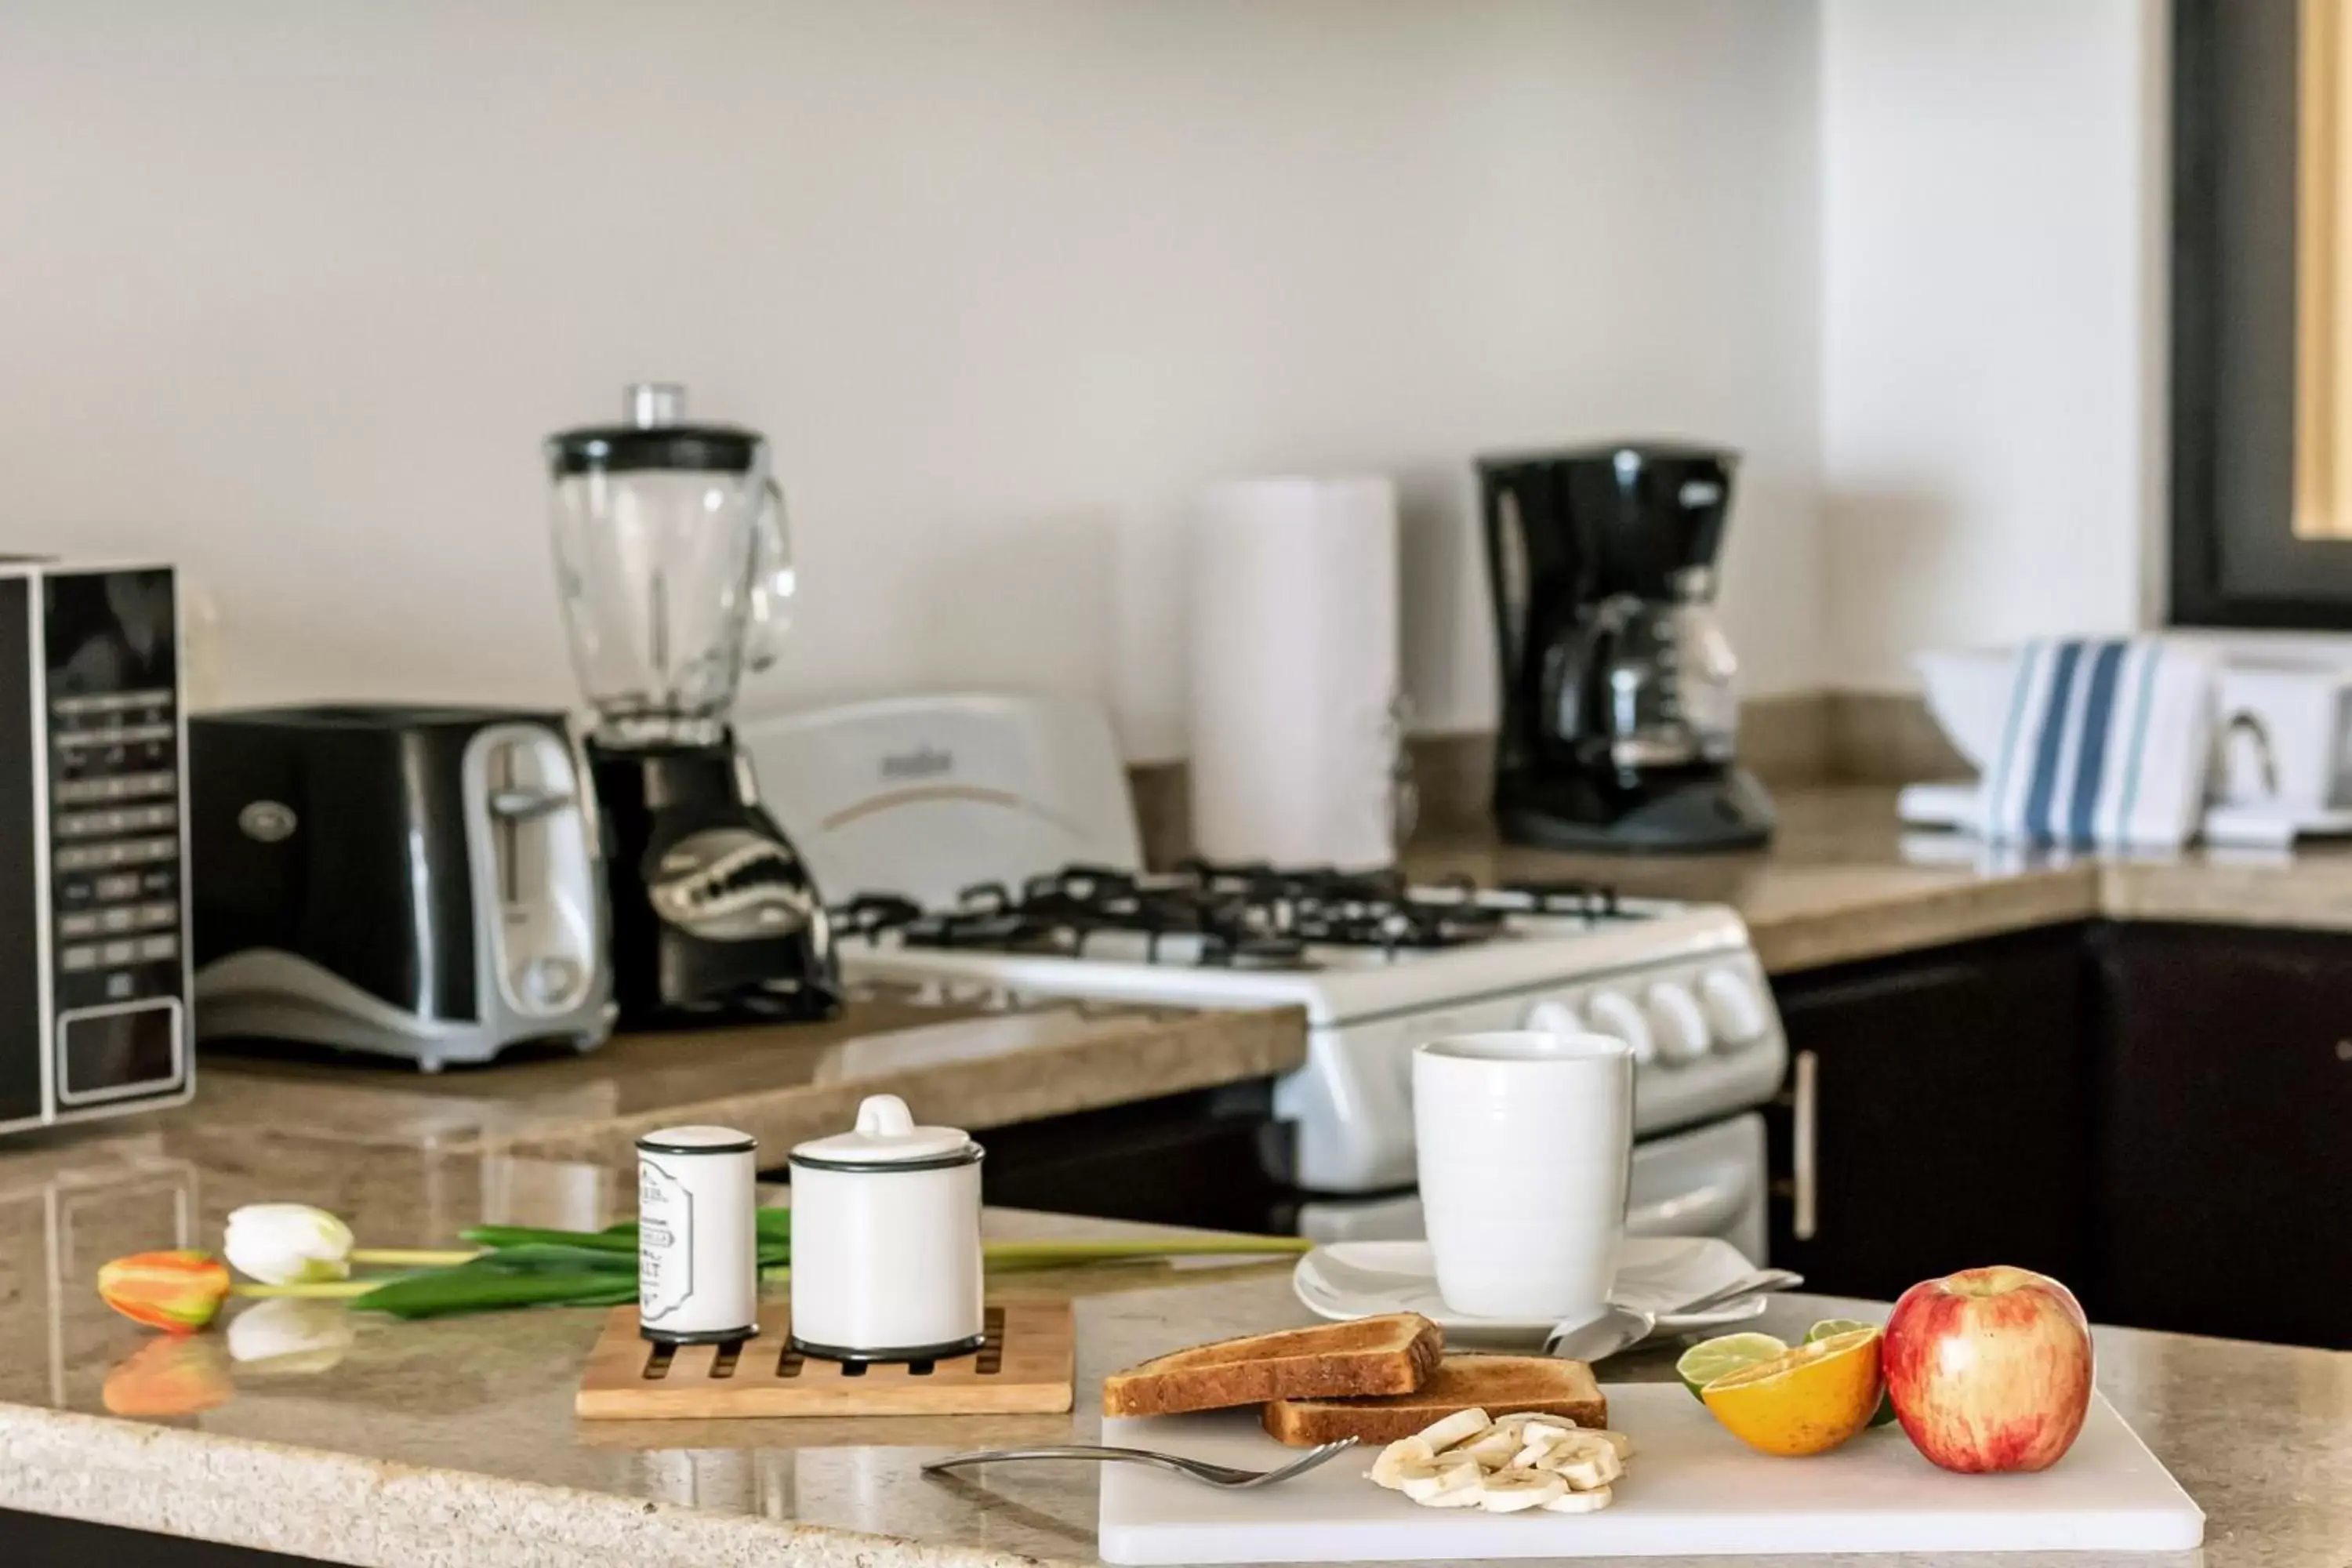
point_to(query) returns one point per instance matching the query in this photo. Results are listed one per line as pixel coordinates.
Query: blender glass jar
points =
(671, 567)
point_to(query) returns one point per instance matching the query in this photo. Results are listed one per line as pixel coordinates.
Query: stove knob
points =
(1613, 1013)
(1552, 1018)
(1733, 1008)
(1676, 1022)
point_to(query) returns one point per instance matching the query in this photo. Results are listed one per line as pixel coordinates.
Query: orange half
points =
(1806, 1401)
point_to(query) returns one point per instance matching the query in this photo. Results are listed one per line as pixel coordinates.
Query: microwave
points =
(93, 844)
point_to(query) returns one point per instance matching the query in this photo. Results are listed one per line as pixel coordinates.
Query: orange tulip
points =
(177, 1292)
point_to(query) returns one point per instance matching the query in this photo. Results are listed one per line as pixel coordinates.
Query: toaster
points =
(409, 882)
(94, 970)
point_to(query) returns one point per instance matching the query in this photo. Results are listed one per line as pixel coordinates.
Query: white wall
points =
(1993, 221)
(289, 291)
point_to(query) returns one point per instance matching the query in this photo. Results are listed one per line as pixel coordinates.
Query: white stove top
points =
(1335, 982)
(967, 809)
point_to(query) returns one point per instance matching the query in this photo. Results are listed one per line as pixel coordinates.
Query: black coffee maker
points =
(1617, 713)
(673, 569)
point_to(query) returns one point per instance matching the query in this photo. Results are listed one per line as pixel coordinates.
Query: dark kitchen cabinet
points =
(1205, 1158)
(32, 1538)
(1936, 1116)
(2224, 1084)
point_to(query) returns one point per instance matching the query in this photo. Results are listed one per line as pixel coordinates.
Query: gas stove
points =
(924, 866)
(1252, 918)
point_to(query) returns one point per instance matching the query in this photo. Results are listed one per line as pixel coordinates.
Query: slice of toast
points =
(1498, 1384)
(1389, 1354)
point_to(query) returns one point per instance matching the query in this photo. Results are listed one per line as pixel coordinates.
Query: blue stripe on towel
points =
(2144, 701)
(2039, 824)
(2004, 762)
(2098, 717)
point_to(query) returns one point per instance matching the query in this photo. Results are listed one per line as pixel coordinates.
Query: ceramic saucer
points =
(1350, 1279)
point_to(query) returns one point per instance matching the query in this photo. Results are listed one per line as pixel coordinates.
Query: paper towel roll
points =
(1295, 672)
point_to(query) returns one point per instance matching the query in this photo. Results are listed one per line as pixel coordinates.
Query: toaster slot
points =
(538, 873)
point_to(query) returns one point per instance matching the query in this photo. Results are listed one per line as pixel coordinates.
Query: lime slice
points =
(1829, 1326)
(1723, 1355)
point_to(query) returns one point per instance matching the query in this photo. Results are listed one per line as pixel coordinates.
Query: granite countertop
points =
(420, 1445)
(1842, 879)
(453, 1442)
(974, 1064)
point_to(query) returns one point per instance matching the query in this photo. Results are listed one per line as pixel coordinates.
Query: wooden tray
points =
(1024, 1368)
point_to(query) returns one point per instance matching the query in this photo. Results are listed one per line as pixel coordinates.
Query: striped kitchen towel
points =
(2104, 743)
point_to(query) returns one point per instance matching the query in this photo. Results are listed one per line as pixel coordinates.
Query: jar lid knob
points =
(885, 1116)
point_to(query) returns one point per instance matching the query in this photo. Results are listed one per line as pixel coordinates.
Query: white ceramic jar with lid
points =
(885, 1240)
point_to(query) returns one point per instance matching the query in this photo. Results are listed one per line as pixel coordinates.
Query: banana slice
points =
(1440, 1483)
(1509, 1492)
(1510, 1464)
(1386, 1469)
(1585, 1460)
(1442, 1435)
(1494, 1447)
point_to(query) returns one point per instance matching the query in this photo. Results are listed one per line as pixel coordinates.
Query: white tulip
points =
(290, 1335)
(288, 1244)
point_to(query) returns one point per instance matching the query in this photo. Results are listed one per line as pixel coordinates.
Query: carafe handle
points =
(772, 584)
(1581, 700)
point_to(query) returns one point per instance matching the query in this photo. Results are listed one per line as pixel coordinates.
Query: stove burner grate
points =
(1206, 914)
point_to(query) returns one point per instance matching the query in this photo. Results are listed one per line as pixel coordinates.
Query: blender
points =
(673, 571)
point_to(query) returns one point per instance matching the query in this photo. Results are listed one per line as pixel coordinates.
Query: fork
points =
(1225, 1477)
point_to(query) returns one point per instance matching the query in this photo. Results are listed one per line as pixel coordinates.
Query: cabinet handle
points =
(1806, 1220)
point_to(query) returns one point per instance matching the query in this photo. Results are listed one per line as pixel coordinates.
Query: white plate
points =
(1349, 1279)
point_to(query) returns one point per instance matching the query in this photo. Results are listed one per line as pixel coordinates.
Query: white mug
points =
(1524, 1141)
(885, 1240)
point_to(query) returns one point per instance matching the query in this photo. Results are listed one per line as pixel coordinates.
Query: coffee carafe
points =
(1619, 715)
(674, 570)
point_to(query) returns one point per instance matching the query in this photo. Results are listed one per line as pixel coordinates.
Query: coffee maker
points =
(673, 569)
(1618, 712)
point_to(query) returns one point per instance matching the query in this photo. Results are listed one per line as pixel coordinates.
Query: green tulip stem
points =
(444, 1284)
(414, 1258)
(1071, 1254)
(1048, 1252)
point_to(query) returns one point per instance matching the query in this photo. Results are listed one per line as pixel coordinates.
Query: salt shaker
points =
(885, 1240)
(697, 1235)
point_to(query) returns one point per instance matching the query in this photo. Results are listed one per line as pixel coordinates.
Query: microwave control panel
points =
(107, 681)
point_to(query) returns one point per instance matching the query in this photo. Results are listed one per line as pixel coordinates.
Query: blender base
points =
(715, 918)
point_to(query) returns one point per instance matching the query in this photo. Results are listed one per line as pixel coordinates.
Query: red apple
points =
(1989, 1369)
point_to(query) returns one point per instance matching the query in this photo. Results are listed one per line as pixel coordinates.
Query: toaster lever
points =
(522, 804)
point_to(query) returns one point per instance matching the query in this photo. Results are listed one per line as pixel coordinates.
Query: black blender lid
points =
(622, 448)
(1607, 451)
(656, 437)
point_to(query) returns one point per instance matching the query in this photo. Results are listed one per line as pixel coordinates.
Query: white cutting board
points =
(1690, 1489)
